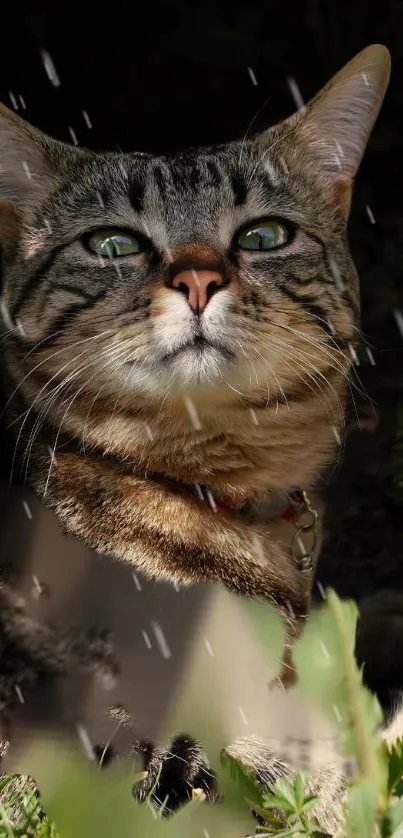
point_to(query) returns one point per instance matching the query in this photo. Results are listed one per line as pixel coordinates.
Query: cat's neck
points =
(238, 451)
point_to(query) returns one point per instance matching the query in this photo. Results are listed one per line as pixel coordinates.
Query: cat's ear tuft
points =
(338, 121)
(24, 164)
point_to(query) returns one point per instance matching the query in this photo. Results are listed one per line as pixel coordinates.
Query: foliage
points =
(84, 801)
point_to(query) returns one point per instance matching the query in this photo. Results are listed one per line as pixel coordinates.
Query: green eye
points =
(113, 243)
(265, 236)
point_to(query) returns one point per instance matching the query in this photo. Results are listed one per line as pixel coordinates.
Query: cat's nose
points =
(198, 286)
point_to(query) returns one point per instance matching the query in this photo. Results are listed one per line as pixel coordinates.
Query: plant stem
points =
(366, 762)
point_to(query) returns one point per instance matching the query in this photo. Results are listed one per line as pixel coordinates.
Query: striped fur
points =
(121, 398)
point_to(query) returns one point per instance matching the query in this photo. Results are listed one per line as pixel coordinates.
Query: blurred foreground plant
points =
(85, 802)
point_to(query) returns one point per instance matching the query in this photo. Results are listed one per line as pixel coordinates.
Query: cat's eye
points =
(266, 235)
(114, 243)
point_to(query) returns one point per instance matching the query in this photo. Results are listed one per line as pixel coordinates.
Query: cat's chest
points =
(177, 444)
(228, 448)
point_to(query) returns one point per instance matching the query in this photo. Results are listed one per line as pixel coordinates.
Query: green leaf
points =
(277, 821)
(274, 801)
(299, 788)
(394, 818)
(362, 810)
(309, 803)
(395, 768)
(283, 789)
(245, 780)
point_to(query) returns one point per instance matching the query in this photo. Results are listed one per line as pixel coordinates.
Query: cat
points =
(180, 333)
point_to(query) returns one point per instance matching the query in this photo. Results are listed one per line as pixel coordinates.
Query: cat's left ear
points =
(338, 121)
(329, 135)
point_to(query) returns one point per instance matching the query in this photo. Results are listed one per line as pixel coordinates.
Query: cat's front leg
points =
(169, 535)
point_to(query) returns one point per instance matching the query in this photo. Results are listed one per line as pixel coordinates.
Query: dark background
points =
(161, 75)
(158, 76)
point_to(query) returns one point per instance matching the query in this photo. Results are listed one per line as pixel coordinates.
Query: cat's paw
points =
(174, 774)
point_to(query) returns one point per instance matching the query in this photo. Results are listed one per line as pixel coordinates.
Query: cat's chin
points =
(192, 367)
(188, 367)
(198, 351)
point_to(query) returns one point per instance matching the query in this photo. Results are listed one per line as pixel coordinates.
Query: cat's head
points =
(220, 271)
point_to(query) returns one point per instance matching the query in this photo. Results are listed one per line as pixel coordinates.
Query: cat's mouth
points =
(198, 345)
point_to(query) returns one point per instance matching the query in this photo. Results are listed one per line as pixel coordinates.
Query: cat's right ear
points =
(24, 168)
(25, 171)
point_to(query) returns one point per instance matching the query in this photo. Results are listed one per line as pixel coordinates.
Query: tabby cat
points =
(180, 331)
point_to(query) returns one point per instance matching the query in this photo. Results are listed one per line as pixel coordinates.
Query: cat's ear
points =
(338, 121)
(26, 172)
(25, 168)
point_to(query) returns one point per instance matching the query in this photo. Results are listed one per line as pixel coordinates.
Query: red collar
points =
(296, 502)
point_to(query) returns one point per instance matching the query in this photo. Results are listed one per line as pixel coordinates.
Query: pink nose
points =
(198, 286)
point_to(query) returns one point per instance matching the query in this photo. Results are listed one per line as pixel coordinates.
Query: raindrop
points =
(337, 712)
(20, 327)
(6, 315)
(13, 100)
(38, 588)
(86, 742)
(22, 102)
(194, 417)
(73, 135)
(136, 581)
(26, 169)
(252, 75)
(27, 510)
(370, 214)
(370, 356)
(399, 320)
(354, 355)
(324, 650)
(211, 500)
(199, 491)
(295, 93)
(321, 590)
(19, 694)
(50, 68)
(161, 639)
(86, 119)
(242, 715)
(339, 149)
(146, 638)
(336, 273)
(208, 647)
(52, 455)
(149, 432)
